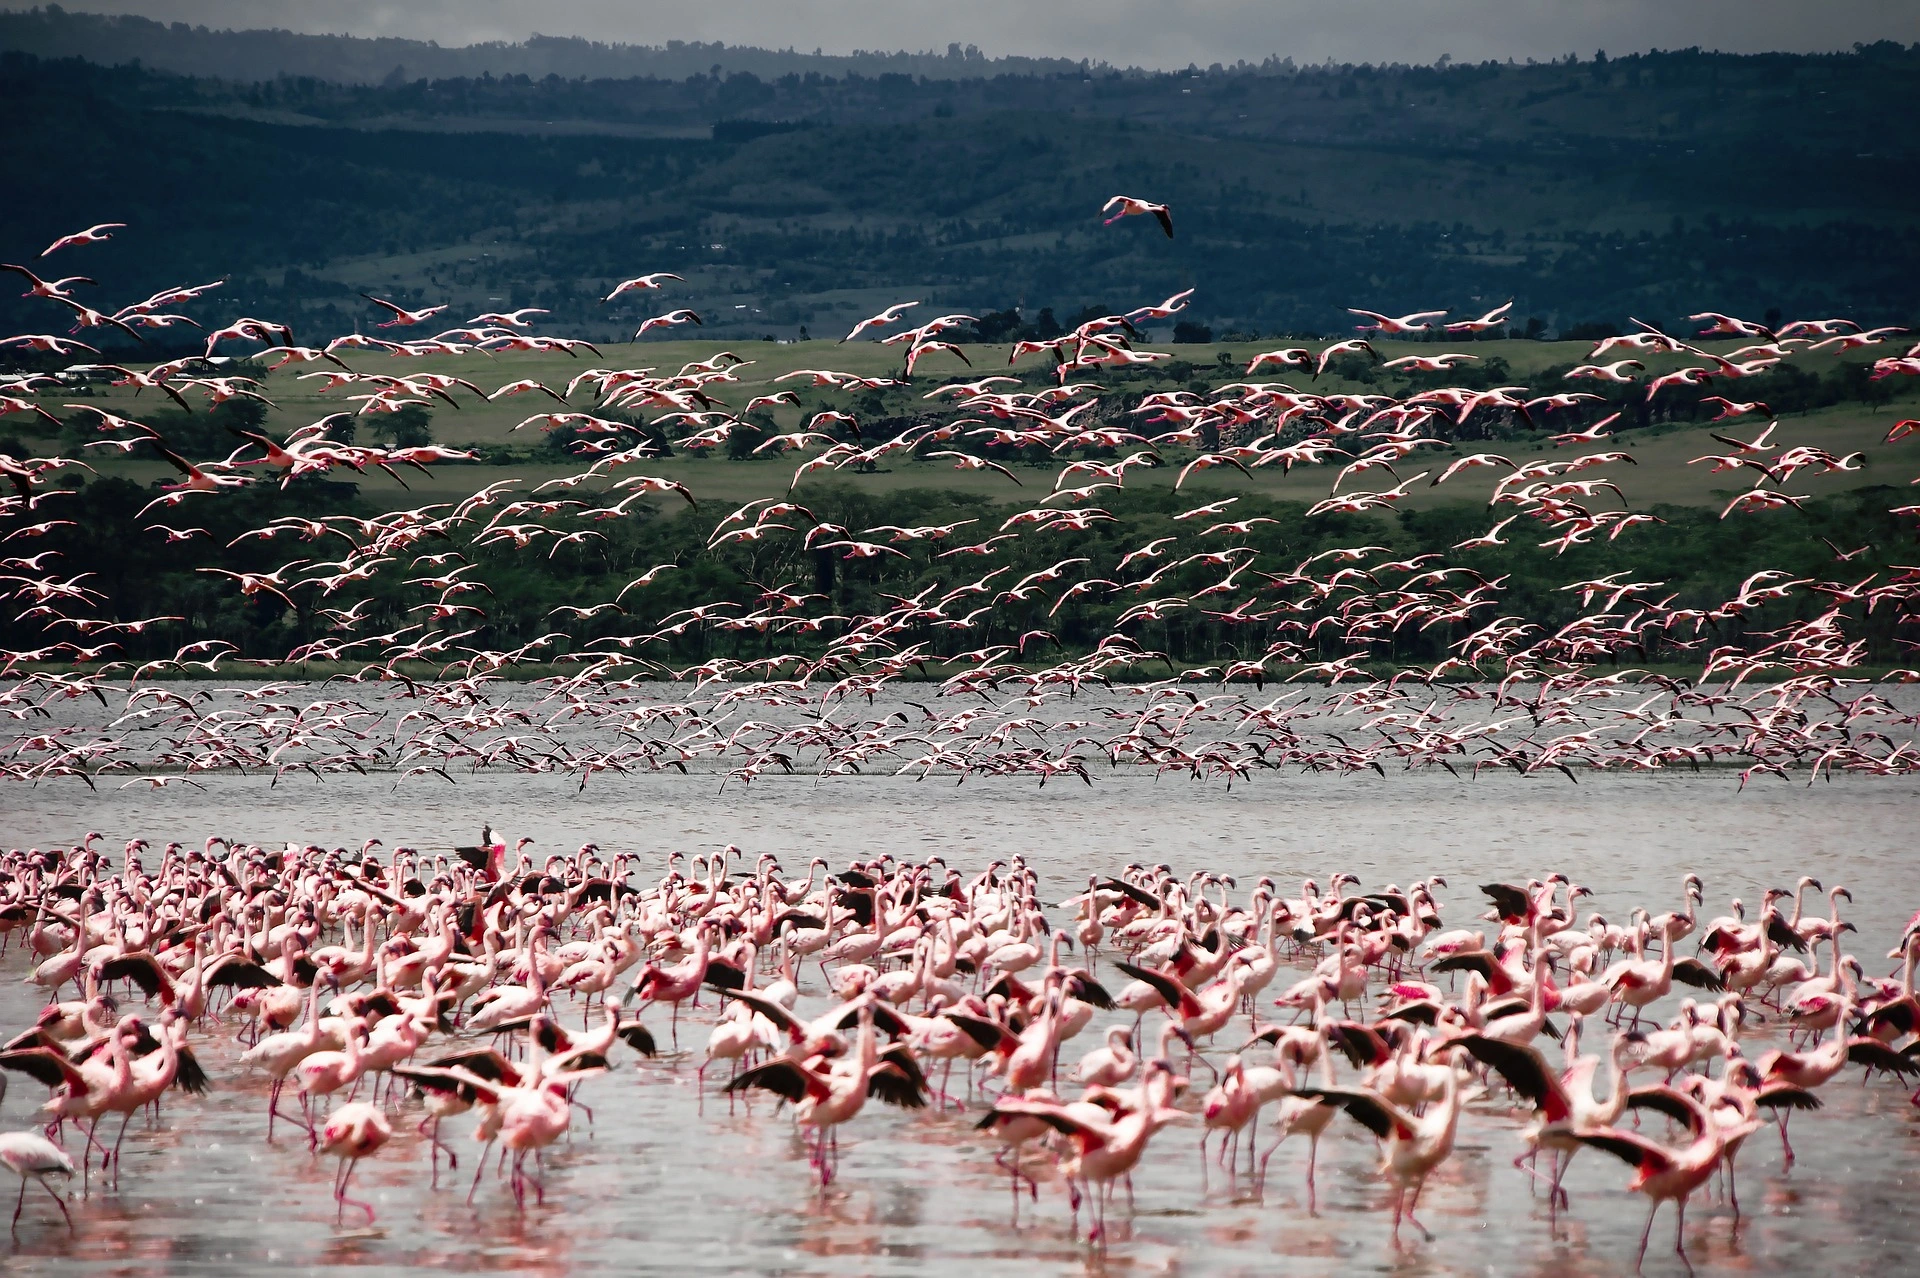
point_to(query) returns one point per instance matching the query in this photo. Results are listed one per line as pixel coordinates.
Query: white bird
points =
(642, 282)
(31, 1154)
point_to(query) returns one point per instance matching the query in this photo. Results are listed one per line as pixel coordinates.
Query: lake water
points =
(657, 1183)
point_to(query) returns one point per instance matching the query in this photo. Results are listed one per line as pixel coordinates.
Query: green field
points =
(1662, 475)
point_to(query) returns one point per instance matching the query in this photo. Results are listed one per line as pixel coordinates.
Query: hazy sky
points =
(1163, 33)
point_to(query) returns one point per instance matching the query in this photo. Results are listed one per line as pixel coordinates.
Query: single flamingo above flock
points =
(488, 987)
(481, 986)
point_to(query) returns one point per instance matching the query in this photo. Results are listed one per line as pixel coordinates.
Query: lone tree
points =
(411, 427)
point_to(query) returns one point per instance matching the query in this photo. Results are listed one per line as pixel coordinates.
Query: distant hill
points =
(52, 32)
(1649, 185)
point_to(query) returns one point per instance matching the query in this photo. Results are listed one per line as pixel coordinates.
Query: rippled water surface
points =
(656, 1182)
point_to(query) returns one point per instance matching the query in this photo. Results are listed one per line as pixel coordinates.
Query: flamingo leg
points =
(1013, 1185)
(124, 1120)
(273, 1106)
(342, 1194)
(1525, 1162)
(1558, 1192)
(1313, 1157)
(479, 1171)
(1413, 1204)
(58, 1201)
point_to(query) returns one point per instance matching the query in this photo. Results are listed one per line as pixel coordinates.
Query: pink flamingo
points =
(1666, 1174)
(324, 1073)
(31, 1154)
(278, 1054)
(352, 1132)
(674, 985)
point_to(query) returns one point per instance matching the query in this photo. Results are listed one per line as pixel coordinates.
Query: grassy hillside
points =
(1653, 185)
(1663, 441)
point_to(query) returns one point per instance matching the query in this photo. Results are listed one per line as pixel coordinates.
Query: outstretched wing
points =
(1370, 1109)
(785, 1079)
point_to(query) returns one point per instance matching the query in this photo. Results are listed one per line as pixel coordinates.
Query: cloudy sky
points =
(1163, 33)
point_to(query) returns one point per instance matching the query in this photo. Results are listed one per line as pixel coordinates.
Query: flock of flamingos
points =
(1783, 687)
(487, 986)
(481, 984)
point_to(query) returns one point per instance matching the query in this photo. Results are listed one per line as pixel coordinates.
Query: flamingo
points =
(1564, 1104)
(29, 1154)
(351, 1133)
(826, 1094)
(1666, 1174)
(1414, 1145)
(1105, 1150)
(1129, 206)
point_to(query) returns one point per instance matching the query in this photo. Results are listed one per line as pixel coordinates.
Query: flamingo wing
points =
(1175, 995)
(484, 1063)
(1690, 971)
(775, 1012)
(45, 1065)
(1525, 1071)
(1781, 934)
(142, 970)
(897, 1079)
(1368, 1108)
(1675, 1105)
(1877, 1055)
(1510, 901)
(1085, 1134)
(988, 1034)
(787, 1079)
(240, 974)
(1630, 1148)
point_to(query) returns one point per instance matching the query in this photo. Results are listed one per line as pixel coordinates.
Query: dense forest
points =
(1588, 190)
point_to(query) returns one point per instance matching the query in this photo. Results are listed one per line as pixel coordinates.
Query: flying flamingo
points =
(642, 283)
(401, 315)
(96, 234)
(1131, 207)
